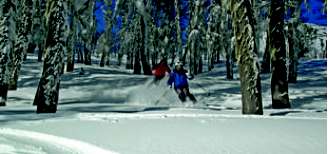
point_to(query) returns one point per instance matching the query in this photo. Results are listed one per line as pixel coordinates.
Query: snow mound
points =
(60, 143)
(150, 94)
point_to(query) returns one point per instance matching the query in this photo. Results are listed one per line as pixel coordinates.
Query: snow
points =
(190, 132)
(71, 146)
(110, 110)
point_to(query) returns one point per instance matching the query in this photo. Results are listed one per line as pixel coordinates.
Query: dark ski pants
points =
(184, 93)
(157, 79)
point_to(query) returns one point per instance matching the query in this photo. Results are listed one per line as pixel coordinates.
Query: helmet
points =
(178, 63)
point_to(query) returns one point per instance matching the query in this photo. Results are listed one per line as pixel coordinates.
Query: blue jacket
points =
(179, 78)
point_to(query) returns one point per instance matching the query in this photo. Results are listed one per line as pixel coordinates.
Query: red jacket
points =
(160, 69)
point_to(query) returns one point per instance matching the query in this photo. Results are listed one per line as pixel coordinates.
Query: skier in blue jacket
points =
(180, 80)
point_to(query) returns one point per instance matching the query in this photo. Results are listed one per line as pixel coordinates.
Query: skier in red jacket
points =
(161, 70)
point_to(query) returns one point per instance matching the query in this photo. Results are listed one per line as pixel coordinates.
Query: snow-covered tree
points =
(279, 82)
(243, 24)
(196, 38)
(47, 93)
(147, 26)
(7, 34)
(23, 38)
(213, 33)
(106, 41)
(266, 61)
(228, 46)
(227, 39)
(38, 27)
(142, 26)
(178, 28)
(81, 25)
(293, 40)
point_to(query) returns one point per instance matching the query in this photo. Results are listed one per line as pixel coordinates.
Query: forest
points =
(163, 76)
(257, 36)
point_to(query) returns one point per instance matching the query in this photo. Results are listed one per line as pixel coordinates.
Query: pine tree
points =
(38, 26)
(178, 28)
(243, 24)
(23, 35)
(226, 40)
(266, 61)
(196, 43)
(107, 41)
(71, 40)
(228, 48)
(6, 38)
(137, 45)
(279, 83)
(146, 25)
(213, 34)
(293, 40)
(47, 94)
(293, 50)
(81, 26)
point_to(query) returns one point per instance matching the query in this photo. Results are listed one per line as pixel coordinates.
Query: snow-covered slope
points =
(109, 109)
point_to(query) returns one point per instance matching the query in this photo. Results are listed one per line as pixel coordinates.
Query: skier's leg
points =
(157, 80)
(154, 81)
(191, 96)
(181, 94)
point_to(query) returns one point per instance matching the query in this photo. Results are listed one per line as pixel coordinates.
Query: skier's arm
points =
(171, 79)
(168, 71)
(188, 76)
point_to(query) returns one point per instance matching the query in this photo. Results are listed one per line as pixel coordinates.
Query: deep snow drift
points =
(109, 110)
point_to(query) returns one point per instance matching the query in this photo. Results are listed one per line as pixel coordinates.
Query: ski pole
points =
(207, 91)
(162, 96)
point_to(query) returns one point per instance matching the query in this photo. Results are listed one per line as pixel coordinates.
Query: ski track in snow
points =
(74, 146)
(104, 116)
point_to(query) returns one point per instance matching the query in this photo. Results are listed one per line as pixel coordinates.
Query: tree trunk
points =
(210, 61)
(200, 64)
(293, 41)
(71, 39)
(3, 94)
(5, 47)
(30, 47)
(178, 28)
(38, 28)
(129, 60)
(102, 59)
(153, 59)
(213, 33)
(80, 58)
(137, 65)
(194, 48)
(228, 44)
(243, 23)
(324, 48)
(192, 60)
(229, 64)
(107, 58)
(292, 75)
(40, 53)
(70, 55)
(266, 61)
(119, 58)
(145, 64)
(217, 58)
(87, 55)
(279, 84)
(127, 66)
(70, 59)
(47, 94)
